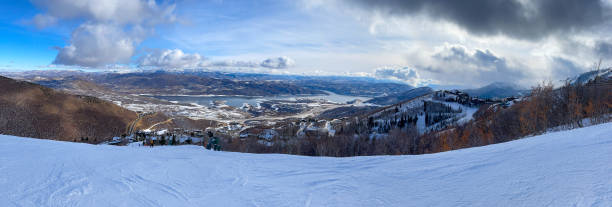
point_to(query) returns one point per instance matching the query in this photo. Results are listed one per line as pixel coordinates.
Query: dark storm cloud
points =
(478, 58)
(564, 68)
(604, 50)
(471, 67)
(533, 20)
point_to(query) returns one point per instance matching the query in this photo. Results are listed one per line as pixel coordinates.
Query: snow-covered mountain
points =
(568, 168)
(497, 90)
(584, 78)
(428, 111)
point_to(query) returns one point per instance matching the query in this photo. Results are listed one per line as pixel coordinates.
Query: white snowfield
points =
(569, 168)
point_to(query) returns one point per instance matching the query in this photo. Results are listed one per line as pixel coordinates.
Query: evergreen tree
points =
(163, 140)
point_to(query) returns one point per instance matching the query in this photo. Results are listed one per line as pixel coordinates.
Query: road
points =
(130, 129)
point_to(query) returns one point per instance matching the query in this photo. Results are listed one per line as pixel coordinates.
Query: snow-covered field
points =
(568, 168)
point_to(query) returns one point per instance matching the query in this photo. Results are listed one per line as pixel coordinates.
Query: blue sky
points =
(415, 41)
(20, 44)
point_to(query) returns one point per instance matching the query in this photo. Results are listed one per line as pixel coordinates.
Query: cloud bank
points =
(177, 59)
(171, 59)
(604, 49)
(404, 74)
(277, 63)
(514, 18)
(458, 65)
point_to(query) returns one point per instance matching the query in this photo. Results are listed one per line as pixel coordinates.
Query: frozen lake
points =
(238, 101)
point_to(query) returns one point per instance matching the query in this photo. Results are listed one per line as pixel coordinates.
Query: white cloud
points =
(94, 45)
(172, 59)
(277, 63)
(110, 31)
(115, 11)
(177, 59)
(233, 63)
(282, 62)
(405, 74)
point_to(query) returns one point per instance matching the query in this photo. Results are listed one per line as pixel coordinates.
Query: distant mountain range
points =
(497, 90)
(217, 83)
(343, 85)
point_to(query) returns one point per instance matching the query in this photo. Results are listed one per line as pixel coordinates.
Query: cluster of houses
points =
(175, 136)
(465, 99)
(301, 128)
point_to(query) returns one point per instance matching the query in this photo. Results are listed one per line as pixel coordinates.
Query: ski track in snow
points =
(569, 168)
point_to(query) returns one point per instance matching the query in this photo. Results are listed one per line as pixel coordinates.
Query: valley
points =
(320, 123)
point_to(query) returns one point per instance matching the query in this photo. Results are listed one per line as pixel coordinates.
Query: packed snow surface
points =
(568, 168)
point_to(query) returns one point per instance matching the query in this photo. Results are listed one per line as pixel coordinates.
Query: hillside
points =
(399, 97)
(568, 168)
(31, 110)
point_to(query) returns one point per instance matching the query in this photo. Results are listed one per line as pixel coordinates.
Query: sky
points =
(466, 43)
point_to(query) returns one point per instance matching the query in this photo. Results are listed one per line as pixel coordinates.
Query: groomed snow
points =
(569, 168)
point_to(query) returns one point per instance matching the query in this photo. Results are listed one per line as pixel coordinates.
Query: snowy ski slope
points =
(569, 168)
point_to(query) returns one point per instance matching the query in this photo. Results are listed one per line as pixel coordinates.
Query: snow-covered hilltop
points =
(605, 74)
(568, 168)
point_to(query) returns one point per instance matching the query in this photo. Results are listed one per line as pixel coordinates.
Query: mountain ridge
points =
(497, 90)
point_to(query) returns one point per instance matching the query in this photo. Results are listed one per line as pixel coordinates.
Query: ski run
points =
(566, 168)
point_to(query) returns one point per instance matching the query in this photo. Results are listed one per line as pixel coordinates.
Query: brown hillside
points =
(31, 110)
(162, 121)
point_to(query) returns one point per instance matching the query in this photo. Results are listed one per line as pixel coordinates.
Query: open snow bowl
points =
(568, 168)
(238, 101)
